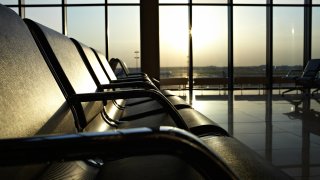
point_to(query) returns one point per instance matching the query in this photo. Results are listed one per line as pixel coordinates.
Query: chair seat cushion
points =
(243, 161)
(155, 167)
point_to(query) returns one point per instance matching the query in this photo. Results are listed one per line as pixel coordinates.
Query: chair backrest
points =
(69, 68)
(92, 63)
(312, 68)
(31, 102)
(119, 67)
(105, 65)
(97, 72)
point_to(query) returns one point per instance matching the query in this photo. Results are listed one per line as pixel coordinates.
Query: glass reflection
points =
(283, 130)
(287, 39)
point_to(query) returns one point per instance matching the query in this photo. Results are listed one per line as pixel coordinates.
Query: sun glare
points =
(174, 28)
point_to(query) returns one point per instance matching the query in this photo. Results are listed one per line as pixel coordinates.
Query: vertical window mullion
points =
(230, 44)
(64, 17)
(106, 28)
(22, 8)
(190, 51)
(269, 50)
(307, 31)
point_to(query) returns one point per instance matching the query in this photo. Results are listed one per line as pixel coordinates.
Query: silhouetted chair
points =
(305, 80)
(39, 139)
(79, 84)
(317, 85)
(121, 69)
(105, 78)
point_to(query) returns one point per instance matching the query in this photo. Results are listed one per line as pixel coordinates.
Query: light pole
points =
(136, 58)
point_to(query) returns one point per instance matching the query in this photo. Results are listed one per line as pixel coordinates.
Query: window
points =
(288, 1)
(84, 1)
(209, 1)
(9, 2)
(210, 42)
(124, 35)
(287, 39)
(43, 2)
(249, 1)
(249, 45)
(173, 1)
(54, 21)
(123, 1)
(315, 32)
(87, 25)
(174, 39)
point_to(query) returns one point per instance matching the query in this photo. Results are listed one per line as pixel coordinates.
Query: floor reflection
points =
(283, 130)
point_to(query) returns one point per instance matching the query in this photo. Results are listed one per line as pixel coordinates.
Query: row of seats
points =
(65, 115)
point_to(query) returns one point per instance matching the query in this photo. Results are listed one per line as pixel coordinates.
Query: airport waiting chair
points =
(100, 76)
(80, 87)
(110, 68)
(39, 139)
(122, 71)
(304, 81)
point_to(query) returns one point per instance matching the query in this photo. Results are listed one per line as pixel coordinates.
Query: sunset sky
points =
(209, 31)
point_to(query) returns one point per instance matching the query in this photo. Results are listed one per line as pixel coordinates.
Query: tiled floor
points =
(285, 131)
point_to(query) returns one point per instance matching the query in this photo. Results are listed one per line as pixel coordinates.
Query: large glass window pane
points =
(315, 32)
(124, 35)
(48, 16)
(288, 1)
(209, 1)
(84, 1)
(87, 25)
(174, 38)
(316, 1)
(288, 26)
(123, 1)
(173, 1)
(9, 2)
(210, 45)
(249, 46)
(249, 1)
(43, 2)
